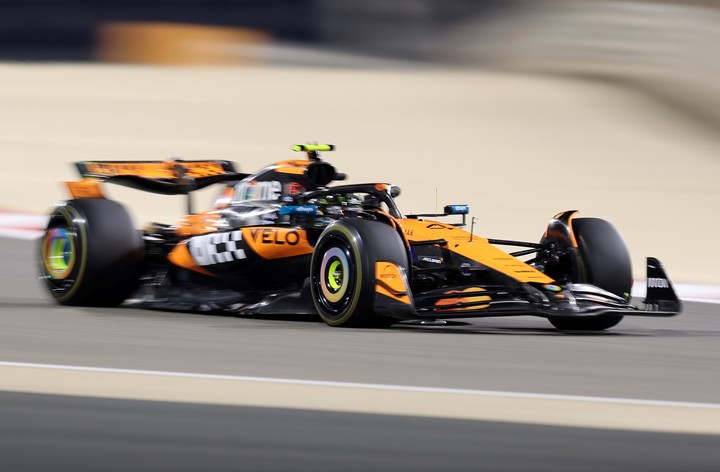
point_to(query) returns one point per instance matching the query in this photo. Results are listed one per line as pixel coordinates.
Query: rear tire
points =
(91, 253)
(606, 263)
(342, 271)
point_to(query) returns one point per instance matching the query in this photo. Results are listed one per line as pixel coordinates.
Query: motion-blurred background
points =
(519, 108)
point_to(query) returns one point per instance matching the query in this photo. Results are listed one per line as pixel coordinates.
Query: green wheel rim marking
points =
(64, 285)
(59, 253)
(58, 257)
(332, 275)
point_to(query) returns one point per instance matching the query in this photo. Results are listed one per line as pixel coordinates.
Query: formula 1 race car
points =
(283, 241)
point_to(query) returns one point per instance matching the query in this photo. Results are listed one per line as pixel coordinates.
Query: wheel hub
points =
(334, 275)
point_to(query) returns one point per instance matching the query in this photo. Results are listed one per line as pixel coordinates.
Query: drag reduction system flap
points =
(173, 177)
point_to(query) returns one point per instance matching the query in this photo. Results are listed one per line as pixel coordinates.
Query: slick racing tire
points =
(342, 271)
(606, 264)
(90, 254)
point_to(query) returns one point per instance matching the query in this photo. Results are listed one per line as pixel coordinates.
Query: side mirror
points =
(457, 209)
(447, 211)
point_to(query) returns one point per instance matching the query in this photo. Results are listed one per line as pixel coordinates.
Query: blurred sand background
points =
(517, 147)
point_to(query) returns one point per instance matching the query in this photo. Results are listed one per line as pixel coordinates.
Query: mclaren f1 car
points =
(284, 240)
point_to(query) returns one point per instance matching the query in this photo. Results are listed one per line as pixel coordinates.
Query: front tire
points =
(91, 253)
(606, 263)
(342, 271)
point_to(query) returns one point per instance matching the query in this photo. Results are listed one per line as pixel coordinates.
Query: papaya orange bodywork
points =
(181, 257)
(154, 170)
(85, 188)
(292, 166)
(572, 233)
(200, 223)
(271, 242)
(477, 248)
(390, 282)
(573, 240)
(469, 295)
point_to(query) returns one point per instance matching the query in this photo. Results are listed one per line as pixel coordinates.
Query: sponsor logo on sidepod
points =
(275, 236)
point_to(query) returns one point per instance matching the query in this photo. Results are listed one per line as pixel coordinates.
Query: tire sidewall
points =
(110, 253)
(604, 255)
(369, 242)
(605, 261)
(347, 236)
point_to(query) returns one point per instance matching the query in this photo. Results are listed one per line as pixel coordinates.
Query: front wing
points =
(548, 300)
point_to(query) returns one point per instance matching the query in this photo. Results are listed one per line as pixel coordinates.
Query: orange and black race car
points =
(283, 240)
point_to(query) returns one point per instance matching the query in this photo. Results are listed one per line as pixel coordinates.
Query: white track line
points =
(355, 385)
(348, 397)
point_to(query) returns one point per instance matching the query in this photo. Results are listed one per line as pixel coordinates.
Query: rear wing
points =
(174, 177)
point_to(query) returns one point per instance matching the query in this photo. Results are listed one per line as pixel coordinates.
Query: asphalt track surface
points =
(673, 359)
(70, 433)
